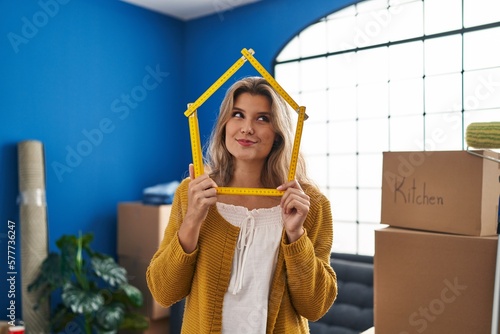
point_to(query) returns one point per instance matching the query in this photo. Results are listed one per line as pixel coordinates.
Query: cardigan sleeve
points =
(311, 281)
(170, 272)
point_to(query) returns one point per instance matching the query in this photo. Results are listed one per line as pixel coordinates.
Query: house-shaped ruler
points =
(194, 132)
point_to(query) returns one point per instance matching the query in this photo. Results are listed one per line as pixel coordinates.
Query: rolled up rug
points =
(483, 135)
(34, 235)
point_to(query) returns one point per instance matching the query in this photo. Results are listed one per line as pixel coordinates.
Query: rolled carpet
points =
(483, 135)
(33, 224)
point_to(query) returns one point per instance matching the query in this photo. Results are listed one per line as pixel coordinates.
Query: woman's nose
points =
(247, 128)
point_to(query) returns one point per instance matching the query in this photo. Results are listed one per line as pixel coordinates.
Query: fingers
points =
(290, 184)
(204, 185)
(295, 205)
(200, 183)
(191, 171)
(201, 189)
(294, 197)
(295, 202)
(201, 195)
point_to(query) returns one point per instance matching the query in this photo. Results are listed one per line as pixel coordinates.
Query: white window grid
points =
(385, 75)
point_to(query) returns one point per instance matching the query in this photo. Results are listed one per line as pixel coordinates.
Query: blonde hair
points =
(276, 168)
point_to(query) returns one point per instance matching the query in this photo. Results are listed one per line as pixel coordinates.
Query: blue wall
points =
(73, 67)
(66, 70)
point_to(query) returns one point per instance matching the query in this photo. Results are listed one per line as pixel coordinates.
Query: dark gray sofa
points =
(352, 312)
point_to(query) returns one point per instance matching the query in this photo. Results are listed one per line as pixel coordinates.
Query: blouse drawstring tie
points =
(245, 240)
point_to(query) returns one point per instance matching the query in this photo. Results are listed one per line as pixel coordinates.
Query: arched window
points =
(388, 76)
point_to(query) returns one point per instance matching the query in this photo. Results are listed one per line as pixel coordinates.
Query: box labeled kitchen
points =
(444, 191)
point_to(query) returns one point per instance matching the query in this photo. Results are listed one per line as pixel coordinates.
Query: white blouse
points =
(245, 302)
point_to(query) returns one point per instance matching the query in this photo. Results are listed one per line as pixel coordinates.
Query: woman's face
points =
(249, 133)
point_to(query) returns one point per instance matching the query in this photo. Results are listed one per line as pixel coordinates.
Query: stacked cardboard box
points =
(435, 263)
(4, 327)
(140, 232)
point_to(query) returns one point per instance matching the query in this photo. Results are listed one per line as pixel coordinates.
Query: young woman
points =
(247, 264)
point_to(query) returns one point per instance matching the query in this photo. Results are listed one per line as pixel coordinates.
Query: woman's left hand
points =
(295, 207)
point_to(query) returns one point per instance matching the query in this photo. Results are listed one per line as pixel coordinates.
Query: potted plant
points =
(94, 289)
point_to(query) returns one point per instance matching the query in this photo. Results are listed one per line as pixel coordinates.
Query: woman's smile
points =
(245, 142)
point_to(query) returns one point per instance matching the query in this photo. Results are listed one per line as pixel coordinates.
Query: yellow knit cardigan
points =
(304, 286)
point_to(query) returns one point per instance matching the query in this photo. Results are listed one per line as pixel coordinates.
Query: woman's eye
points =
(238, 114)
(264, 118)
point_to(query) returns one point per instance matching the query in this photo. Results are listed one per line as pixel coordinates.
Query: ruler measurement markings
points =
(249, 191)
(191, 113)
(196, 144)
(266, 75)
(216, 85)
(296, 143)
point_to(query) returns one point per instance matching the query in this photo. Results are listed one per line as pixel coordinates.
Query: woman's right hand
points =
(201, 195)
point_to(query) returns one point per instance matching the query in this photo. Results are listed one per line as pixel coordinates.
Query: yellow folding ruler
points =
(194, 132)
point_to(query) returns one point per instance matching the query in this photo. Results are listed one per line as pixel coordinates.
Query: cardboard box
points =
(140, 232)
(447, 191)
(136, 272)
(4, 327)
(160, 326)
(433, 283)
(141, 228)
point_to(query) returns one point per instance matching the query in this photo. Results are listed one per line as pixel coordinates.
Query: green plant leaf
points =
(67, 240)
(94, 289)
(110, 316)
(49, 278)
(49, 272)
(68, 245)
(134, 321)
(103, 331)
(61, 317)
(81, 301)
(87, 238)
(133, 294)
(107, 269)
